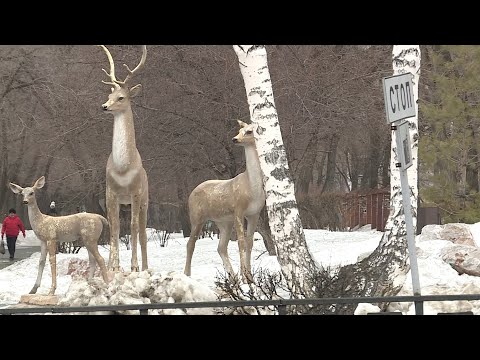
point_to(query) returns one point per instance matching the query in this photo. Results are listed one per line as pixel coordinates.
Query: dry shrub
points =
(321, 210)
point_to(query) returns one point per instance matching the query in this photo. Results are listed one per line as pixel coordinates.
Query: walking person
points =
(11, 227)
(52, 211)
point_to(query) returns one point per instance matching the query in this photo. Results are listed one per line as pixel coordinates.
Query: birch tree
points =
(296, 262)
(383, 273)
(406, 59)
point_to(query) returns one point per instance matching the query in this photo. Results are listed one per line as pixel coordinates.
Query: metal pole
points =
(143, 311)
(282, 309)
(407, 210)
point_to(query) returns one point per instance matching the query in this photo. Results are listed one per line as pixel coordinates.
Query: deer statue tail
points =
(105, 235)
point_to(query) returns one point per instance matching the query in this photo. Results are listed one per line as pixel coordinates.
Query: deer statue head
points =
(245, 135)
(28, 192)
(119, 99)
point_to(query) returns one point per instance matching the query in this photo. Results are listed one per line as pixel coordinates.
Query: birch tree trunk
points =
(406, 58)
(296, 262)
(384, 272)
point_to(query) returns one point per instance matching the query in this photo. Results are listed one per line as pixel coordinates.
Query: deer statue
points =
(126, 179)
(87, 227)
(228, 203)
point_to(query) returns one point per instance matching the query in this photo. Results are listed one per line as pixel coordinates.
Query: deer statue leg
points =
(41, 265)
(224, 237)
(142, 231)
(95, 258)
(113, 213)
(238, 221)
(52, 247)
(252, 222)
(91, 263)
(196, 229)
(134, 231)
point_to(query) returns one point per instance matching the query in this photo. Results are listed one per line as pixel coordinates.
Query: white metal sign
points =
(398, 93)
(403, 145)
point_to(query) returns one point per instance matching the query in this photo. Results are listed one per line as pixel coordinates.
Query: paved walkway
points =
(21, 252)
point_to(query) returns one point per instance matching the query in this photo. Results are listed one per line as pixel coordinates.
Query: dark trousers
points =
(11, 241)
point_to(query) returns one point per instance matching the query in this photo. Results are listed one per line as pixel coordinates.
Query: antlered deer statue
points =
(126, 178)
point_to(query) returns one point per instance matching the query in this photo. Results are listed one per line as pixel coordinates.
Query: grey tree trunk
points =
(305, 172)
(263, 228)
(297, 264)
(183, 209)
(331, 164)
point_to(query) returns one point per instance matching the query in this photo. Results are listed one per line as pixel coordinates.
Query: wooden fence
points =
(362, 208)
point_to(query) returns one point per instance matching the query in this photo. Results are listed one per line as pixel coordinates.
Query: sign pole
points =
(407, 210)
(400, 105)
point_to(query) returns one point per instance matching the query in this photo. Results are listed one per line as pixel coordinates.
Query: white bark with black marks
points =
(287, 232)
(405, 59)
(392, 249)
(393, 246)
(384, 272)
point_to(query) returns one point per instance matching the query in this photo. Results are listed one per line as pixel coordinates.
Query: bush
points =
(321, 210)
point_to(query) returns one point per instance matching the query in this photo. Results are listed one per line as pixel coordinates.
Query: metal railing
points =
(280, 304)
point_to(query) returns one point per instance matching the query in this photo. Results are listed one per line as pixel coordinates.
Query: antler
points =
(111, 75)
(137, 68)
(131, 73)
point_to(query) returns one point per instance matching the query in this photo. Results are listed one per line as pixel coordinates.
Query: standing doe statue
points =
(228, 203)
(86, 227)
(126, 179)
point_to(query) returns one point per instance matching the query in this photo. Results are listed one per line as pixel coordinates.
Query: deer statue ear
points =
(112, 89)
(39, 183)
(134, 91)
(15, 188)
(241, 123)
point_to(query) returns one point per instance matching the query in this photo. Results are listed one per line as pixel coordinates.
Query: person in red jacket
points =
(11, 226)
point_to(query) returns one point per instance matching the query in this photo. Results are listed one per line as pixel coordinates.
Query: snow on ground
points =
(166, 266)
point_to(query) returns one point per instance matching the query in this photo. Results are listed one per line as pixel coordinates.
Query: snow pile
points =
(436, 249)
(144, 287)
